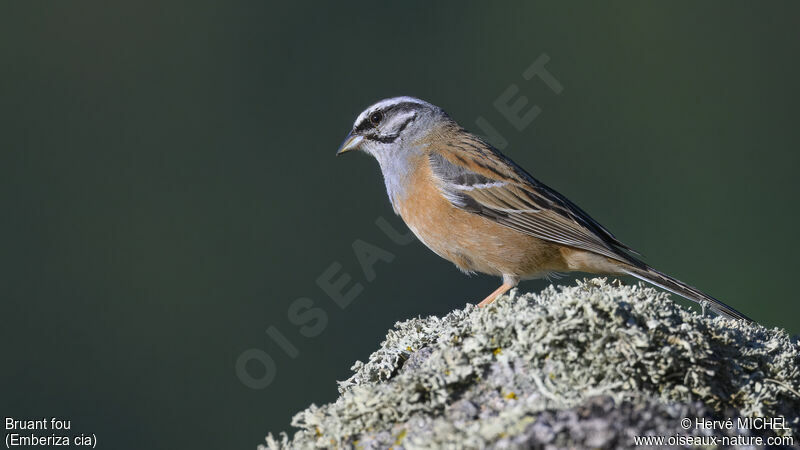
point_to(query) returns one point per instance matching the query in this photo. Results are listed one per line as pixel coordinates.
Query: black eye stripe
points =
(365, 124)
(405, 124)
(362, 126)
(387, 139)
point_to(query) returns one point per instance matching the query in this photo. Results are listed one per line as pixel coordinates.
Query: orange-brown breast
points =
(472, 242)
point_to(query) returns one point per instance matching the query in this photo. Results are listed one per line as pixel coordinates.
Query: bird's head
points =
(392, 124)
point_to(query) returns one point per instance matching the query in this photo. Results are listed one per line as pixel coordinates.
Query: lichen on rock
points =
(586, 365)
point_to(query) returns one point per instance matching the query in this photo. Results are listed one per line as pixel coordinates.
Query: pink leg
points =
(497, 293)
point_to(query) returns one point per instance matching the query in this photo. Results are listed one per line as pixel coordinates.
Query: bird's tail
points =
(678, 287)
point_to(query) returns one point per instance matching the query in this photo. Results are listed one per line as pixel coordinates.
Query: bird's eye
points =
(375, 118)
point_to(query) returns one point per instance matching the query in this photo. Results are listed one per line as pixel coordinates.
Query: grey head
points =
(391, 131)
(391, 123)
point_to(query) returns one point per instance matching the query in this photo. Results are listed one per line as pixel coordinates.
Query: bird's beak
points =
(351, 142)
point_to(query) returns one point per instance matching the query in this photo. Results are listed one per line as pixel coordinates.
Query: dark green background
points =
(169, 184)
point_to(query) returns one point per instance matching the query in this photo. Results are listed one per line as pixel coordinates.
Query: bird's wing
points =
(475, 177)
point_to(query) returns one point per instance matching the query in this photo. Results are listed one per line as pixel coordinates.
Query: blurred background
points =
(169, 185)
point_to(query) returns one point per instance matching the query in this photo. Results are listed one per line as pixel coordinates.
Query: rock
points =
(592, 365)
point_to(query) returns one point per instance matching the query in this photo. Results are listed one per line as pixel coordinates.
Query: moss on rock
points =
(586, 365)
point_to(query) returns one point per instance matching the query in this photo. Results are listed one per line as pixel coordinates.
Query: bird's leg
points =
(497, 293)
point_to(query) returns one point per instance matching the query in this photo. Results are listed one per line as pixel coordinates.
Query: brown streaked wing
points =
(479, 179)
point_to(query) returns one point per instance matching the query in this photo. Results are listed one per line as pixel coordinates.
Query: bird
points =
(475, 207)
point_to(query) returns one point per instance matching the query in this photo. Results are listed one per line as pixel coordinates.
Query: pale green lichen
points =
(586, 365)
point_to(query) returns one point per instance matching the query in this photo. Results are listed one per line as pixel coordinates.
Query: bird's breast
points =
(471, 242)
